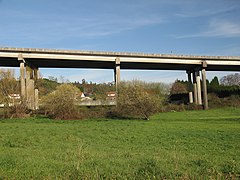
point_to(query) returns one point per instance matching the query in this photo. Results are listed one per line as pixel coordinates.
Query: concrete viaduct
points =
(30, 60)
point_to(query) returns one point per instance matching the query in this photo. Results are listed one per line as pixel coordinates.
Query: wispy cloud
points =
(54, 27)
(204, 12)
(224, 28)
(198, 8)
(110, 26)
(217, 28)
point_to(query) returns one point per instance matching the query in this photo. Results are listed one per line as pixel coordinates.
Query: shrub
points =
(18, 111)
(46, 86)
(214, 100)
(135, 100)
(233, 101)
(60, 104)
(178, 87)
(193, 107)
(174, 107)
(93, 112)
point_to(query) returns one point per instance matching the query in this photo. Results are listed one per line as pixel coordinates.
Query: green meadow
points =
(173, 145)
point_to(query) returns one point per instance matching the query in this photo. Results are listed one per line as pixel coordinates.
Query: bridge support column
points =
(36, 74)
(204, 86)
(22, 81)
(117, 73)
(36, 97)
(117, 76)
(22, 77)
(199, 92)
(190, 94)
(32, 93)
(195, 88)
(30, 88)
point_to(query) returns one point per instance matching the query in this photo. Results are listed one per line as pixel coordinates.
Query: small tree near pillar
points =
(135, 100)
(60, 104)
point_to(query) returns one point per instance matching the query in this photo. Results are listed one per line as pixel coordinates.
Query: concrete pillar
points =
(36, 105)
(199, 92)
(30, 70)
(117, 77)
(22, 81)
(195, 88)
(190, 94)
(117, 72)
(27, 82)
(204, 88)
(27, 88)
(30, 93)
(36, 74)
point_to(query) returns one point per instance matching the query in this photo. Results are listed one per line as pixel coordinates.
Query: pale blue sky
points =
(198, 27)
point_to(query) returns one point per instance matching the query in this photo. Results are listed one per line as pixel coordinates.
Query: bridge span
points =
(30, 60)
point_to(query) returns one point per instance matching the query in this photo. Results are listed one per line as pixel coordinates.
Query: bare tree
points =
(178, 88)
(8, 87)
(231, 80)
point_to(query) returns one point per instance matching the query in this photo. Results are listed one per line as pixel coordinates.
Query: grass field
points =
(175, 145)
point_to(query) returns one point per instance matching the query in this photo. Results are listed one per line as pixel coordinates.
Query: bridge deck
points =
(49, 58)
